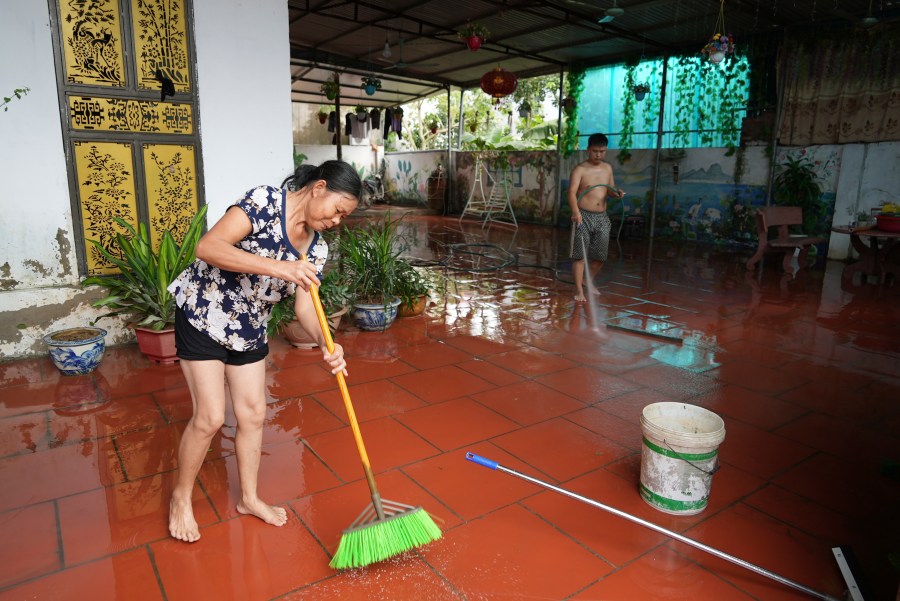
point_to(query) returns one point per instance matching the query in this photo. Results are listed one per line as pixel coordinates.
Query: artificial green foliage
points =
(626, 138)
(797, 185)
(574, 87)
(140, 290)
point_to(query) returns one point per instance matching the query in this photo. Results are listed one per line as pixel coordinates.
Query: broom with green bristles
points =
(384, 528)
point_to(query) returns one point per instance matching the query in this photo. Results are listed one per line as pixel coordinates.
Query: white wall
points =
(38, 264)
(243, 82)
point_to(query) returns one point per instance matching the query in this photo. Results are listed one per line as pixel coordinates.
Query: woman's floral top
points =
(233, 308)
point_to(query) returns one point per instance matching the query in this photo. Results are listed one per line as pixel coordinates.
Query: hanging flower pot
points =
(720, 44)
(370, 85)
(474, 35)
(525, 110)
(330, 88)
(640, 91)
(323, 117)
(568, 104)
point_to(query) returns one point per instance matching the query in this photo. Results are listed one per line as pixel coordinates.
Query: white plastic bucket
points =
(679, 455)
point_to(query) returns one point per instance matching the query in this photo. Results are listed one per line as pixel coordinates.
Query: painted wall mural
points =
(407, 175)
(533, 191)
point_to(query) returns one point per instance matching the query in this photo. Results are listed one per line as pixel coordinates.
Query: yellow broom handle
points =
(345, 394)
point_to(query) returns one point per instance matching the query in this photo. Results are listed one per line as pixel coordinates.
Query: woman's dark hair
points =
(338, 175)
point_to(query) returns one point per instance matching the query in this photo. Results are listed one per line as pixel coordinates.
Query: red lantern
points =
(499, 83)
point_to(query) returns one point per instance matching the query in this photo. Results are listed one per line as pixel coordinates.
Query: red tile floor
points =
(803, 371)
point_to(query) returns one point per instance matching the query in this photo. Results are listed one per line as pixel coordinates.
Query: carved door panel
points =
(125, 72)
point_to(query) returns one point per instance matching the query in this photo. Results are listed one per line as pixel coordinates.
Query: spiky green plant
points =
(139, 291)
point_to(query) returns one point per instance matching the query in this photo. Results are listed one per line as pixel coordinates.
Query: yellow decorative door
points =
(125, 76)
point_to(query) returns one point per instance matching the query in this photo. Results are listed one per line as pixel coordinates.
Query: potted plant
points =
(797, 185)
(139, 291)
(370, 264)
(412, 288)
(361, 112)
(433, 125)
(331, 87)
(640, 91)
(370, 85)
(76, 351)
(525, 109)
(323, 115)
(336, 299)
(474, 35)
(718, 46)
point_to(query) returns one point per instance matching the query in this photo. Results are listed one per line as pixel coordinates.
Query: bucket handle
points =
(694, 465)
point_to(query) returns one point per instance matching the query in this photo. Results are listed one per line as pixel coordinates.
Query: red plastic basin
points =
(888, 223)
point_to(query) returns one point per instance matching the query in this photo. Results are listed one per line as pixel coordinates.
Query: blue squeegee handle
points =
(688, 541)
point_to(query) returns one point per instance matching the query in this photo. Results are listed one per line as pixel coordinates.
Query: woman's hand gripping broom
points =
(384, 528)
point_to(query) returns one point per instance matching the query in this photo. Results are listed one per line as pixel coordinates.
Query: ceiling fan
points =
(399, 63)
(608, 15)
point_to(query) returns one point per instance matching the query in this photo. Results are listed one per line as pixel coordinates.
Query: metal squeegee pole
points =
(675, 535)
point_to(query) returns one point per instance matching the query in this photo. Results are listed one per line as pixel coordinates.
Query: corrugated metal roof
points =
(528, 37)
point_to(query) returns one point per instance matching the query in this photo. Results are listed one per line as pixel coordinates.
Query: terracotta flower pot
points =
(474, 42)
(157, 345)
(297, 336)
(417, 308)
(323, 118)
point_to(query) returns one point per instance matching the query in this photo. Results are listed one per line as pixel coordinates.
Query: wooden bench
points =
(781, 218)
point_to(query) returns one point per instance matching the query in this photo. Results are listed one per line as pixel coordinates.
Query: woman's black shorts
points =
(193, 345)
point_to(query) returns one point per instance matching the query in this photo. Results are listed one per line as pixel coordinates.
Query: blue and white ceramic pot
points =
(374, 318)
(76, 351)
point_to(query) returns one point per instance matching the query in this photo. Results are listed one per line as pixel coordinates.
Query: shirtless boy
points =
(589, 184)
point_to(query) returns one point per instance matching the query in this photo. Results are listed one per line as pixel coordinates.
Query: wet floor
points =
(803, 371)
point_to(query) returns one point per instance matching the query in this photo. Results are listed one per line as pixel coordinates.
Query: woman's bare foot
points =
(270, 514)
(579, 298)
(182, 524)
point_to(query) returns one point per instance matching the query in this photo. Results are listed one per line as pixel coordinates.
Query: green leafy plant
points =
(370, 81)
(797, 185)
(17, 93)
(333, 292)
(410, 284)
(474, 30)
(139, 291)
(574, 85)
(331, 88)
(370, 261)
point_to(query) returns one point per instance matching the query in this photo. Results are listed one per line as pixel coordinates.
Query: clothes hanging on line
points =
(393, 122)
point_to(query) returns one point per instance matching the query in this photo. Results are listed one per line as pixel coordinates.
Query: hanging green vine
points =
(684, 101)
(574, 87)
(626, 139)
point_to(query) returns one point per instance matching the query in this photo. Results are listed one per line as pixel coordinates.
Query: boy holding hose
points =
(589, 184)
